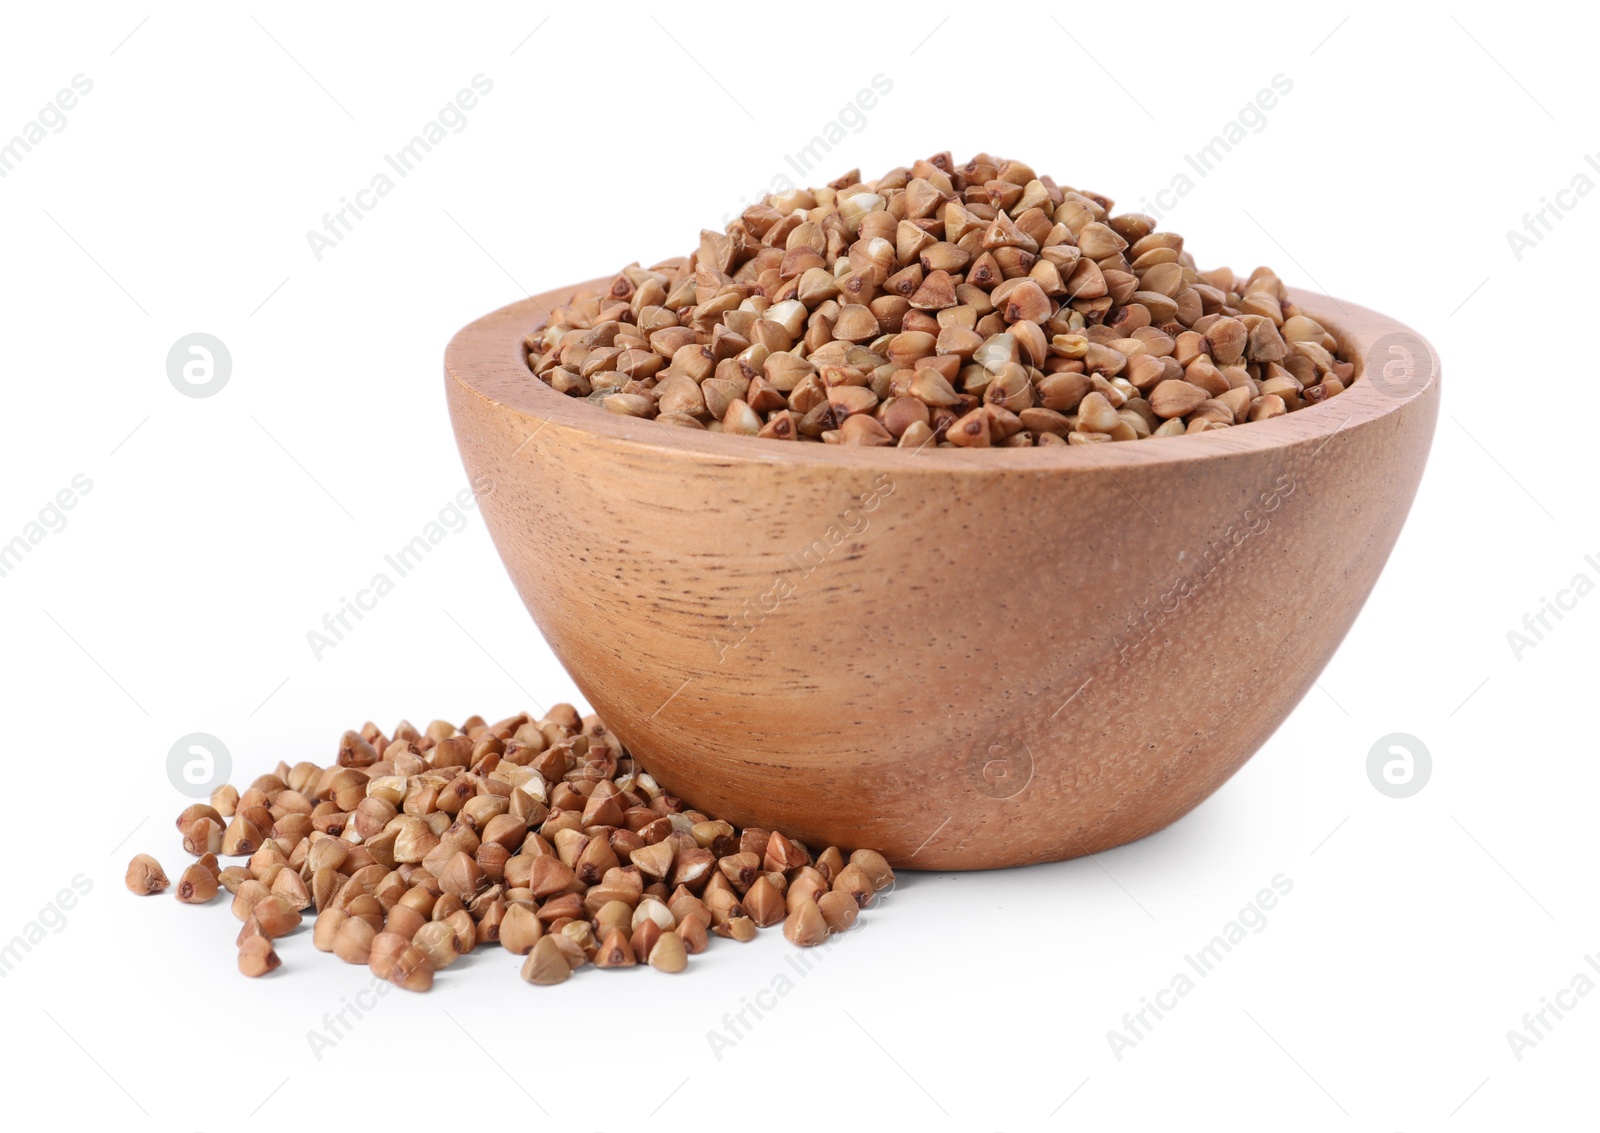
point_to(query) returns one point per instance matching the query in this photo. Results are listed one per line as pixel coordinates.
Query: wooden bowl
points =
(964, 659)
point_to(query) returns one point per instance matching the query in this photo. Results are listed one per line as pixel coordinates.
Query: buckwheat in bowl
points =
(784, 572)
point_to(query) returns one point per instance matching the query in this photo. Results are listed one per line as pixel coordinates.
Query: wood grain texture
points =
(964, 659)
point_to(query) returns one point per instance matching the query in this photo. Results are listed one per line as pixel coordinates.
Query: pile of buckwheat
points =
(540, 836)
(965, 306)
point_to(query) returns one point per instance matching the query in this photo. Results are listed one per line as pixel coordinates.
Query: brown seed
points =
(854, 881)
(602, 810)
(404, 921)
(941, 263)
(782, 854)
(486, 877)
(931, 388)
(615, 951)
(763, 903)
(692, 868)
(437, 941)
(1027, 302)
(1238, 402)
(202, 836)
(402, 964)
(275, 917)
(1212, 410)
(1265, 343)
(1226, 340)
(936, 293)
(806, 925)
(839, 910)
(669, 954)
(242, 837)
(692, 931)
(829, 863)
(246, 896)
(1096, 414)
(856, 323)
(327, 853)
(246, 931)
(781, 425)
(386, 946)
(816, 285)
(1175, 399)
(197, 885)
(742, 929)
(461, 875)
(145, 876)
(804, 888)
(1266, 407)
(1097, 241)
(549, 876)
(326, 928)
(291, 888)
(489, 916)
(652, 908)
(644, 937)
(195, 812)
(547, 963)
(365, 907)
(740, 869)
(224, 799)
(741, 419)
(614, 914)
(656, 860)
(597, 857)
(875, 866)
(422, 900)
(466, 933)
(569, 948)
(1105, 360)
(1063, 392)
(520, 930)
(630, 405)
(267, 861)
(354, 751)
(257, 958)
(970, 431)
(352, 941)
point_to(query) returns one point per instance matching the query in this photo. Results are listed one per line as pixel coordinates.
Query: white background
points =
(218, 531)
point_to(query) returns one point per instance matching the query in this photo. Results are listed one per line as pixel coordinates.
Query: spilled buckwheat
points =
(972, 306)
(540, 836)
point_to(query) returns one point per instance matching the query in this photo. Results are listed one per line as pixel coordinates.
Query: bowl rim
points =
(486, 357)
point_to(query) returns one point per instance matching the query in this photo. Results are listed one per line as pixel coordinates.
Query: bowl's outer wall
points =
(965, 668)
